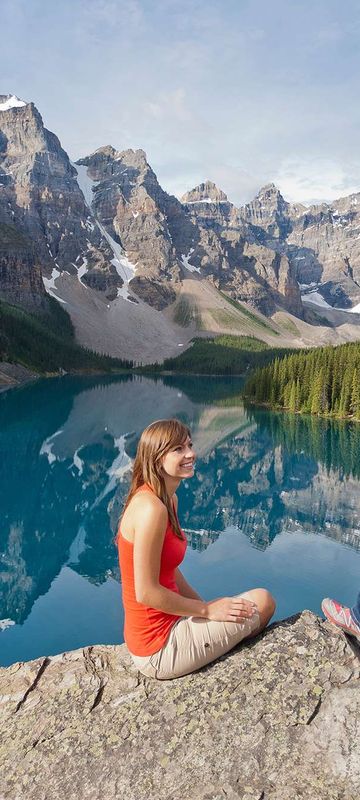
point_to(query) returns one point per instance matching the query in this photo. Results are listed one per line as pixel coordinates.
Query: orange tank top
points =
(146, 629)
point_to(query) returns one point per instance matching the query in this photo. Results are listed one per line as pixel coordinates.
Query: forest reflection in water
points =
(66, 450)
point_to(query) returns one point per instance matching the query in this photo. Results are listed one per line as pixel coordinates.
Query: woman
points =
(169, 629)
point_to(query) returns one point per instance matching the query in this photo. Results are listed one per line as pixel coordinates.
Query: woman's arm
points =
(150, 521)
(184, 587)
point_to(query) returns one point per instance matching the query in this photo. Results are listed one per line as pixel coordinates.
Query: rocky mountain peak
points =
(206, 192)
(107, 162)
(133, 158)
(106, 150)
(269, 192)
(268, 210)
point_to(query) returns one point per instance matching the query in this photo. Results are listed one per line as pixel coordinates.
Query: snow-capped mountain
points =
(109, 243)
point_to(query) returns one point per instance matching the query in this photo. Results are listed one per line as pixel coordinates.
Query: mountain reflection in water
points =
(67, 446)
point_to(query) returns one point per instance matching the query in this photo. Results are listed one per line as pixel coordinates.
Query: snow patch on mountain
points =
(317, 299)
(185, 261)
(124, 268)
(82, 270)
(12, 102)
(49, 284)
(86, 184)
(204, 200)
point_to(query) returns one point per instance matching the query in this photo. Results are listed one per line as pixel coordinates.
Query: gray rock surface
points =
(234, 252)
(129, 202)
(206, 192)
(20, 272)
(41, 198)
(321, 242)
(276, 719)
(14, 375)
(325, 245)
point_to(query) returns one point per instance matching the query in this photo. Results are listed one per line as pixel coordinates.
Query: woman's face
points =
(179, 462)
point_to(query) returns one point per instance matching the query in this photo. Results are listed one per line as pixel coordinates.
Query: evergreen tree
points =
(292, 397)
(355, 395)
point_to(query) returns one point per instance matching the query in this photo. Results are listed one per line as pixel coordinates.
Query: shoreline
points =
(284, 410)
(13, 376)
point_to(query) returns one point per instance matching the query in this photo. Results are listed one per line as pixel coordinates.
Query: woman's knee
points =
(265, 603)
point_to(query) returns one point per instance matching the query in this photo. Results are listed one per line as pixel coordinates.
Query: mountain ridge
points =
(104, 225)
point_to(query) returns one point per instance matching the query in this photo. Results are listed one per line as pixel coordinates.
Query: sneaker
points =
(340, 616)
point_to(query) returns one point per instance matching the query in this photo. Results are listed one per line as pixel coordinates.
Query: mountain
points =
(321, 242)
(41, 201)
(324, 245)
(235, 259)
(140, 271)
(150, 226)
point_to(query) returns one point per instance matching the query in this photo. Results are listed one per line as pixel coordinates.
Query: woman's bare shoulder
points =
(144, 511)
(145, 503)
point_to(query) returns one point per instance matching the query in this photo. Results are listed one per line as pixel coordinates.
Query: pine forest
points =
(324, 381)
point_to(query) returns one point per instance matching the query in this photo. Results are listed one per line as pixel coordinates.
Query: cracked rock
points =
(276, 719)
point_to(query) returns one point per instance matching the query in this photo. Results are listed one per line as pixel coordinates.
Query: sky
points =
(240, 92)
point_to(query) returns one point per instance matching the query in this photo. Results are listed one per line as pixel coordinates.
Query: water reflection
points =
(67, 446)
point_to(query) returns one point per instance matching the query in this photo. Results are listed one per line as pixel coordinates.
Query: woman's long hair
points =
(155, 441)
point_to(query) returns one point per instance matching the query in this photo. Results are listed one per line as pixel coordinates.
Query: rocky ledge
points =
(276, 719)
(14, 375)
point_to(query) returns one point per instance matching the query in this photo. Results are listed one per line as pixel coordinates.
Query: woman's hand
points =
(230, 609)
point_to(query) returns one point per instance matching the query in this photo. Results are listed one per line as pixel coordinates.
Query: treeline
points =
(221, 355)
(45, 342)
(324, 381)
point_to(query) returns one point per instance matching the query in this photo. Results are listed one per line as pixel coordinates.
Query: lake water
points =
(275, 502)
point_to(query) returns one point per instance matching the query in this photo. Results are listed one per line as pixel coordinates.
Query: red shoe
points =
(340, 616)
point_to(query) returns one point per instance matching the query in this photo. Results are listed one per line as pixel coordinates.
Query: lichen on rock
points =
(278, 718)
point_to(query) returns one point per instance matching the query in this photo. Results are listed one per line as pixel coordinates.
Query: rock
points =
(277, 718)
(269, 211)
(20, 273)
(240, 250)
(41, 197)
(14, 375)
(321, 242)
(206, 192)
(129, 202)
(325, 247)
(157, 294)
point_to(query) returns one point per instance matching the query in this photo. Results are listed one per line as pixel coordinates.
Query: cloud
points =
(169, 105)
(316, 179)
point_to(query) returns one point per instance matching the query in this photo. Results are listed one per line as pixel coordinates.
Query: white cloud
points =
(308, 180)
(169, 105)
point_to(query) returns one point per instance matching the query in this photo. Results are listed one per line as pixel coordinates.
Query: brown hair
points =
(155, 441)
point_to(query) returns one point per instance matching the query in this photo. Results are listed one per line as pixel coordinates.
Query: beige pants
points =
(194, 642)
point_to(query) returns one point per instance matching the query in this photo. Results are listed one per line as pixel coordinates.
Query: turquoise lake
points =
(275, 502)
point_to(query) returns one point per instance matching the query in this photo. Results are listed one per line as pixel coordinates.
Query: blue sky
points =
(242, 92)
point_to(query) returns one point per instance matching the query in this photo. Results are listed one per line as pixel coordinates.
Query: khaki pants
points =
(194, 642)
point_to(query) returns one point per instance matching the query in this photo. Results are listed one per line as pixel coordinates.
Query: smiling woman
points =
(169, 630)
